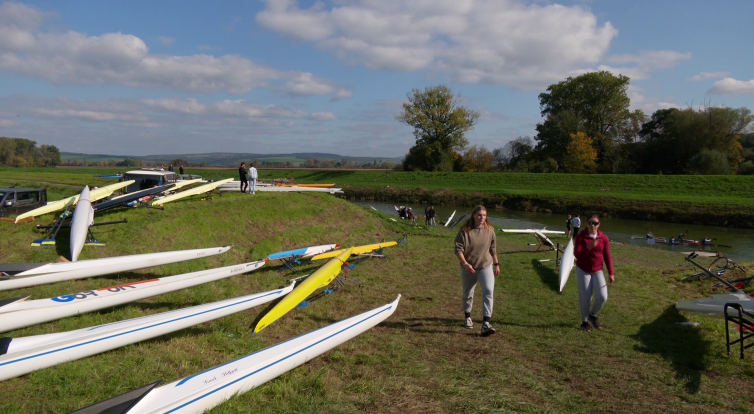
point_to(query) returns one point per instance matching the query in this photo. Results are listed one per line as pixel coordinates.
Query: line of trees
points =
(20, 152)
(587, 127)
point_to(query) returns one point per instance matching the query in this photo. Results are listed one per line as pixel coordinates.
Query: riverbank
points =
(421, 359)
(726, 213)
(711, 200)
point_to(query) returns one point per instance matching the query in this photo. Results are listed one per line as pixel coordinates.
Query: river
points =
(622, 230)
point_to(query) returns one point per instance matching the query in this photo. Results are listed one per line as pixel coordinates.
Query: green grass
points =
(419, 360)
(733, 188)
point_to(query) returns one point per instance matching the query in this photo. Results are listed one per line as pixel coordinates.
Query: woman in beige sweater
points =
(477, 252)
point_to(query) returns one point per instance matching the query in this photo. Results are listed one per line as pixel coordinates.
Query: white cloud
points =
(638, 67)
(166, 110)
(123, 59)
(708, 75)
(649, 104)
(730, 86)
(473, 41)
(6, 123)
(167, 41)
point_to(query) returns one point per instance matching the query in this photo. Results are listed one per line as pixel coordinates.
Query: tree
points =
(595, 103)
(581, 155)
(672, 137)
(513, 152)
(478, 159)
(439, 123)
(709, 162)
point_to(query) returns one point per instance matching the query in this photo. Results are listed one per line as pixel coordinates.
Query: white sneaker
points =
(487, 329)
(469, 323)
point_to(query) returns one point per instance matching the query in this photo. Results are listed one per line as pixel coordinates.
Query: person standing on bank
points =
(242, 174)
(591, 249)
(576, 223)
(477, 252)
(180, 170)
(568, 225)
(253, 178)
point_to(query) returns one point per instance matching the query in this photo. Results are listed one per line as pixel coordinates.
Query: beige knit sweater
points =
(478, 246)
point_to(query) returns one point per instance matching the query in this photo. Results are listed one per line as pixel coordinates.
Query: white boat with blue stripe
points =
(19, 356)
(202, 391)
(20, 312)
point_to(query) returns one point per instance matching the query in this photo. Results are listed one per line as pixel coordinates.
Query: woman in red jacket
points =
(592, 248)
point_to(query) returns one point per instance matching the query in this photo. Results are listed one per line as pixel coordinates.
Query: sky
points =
(280, 76)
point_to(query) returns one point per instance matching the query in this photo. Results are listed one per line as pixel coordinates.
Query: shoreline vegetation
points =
(692, 199)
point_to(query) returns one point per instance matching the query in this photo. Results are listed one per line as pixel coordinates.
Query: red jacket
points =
(591, 260)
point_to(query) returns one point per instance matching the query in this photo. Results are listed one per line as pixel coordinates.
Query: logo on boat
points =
(231, 372)
(72, 297)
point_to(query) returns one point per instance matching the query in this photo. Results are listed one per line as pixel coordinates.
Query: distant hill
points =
(227, 158)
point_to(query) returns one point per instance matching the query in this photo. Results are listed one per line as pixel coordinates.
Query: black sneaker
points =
(487, 329)
(585, 327)
(595, 322)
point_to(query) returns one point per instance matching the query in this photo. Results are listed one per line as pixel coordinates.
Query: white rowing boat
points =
(288, 189)
(23, 355)
(82, 269)
(20, 312)
(566, 265)
(200, 392)
(450, 218)
(83, 217)
(531, 231)
(714, 304)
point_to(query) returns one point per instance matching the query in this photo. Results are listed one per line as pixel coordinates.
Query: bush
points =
(746, 168)
(709, 162)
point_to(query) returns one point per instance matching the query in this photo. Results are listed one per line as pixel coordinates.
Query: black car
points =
(14, 201)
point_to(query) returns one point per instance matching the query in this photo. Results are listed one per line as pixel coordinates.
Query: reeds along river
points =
(620, 230)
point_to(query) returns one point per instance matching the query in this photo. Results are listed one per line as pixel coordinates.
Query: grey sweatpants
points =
(486, 278)
(591, 283)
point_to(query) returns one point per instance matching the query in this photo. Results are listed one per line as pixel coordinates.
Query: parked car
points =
(14, 201)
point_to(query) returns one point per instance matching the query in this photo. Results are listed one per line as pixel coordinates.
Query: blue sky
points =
(279, 76)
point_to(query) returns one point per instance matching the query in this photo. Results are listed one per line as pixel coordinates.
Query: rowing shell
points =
(714, 305)
(321, 278)
(303, 252)
(356, 250)
(544, 239)
(566, 265)
(190, 192)
(19, 356)
(530, 231)
(83, 217)
(58, 205)
(58, 272)
(200, 392)
(450, 218)
(19, 312)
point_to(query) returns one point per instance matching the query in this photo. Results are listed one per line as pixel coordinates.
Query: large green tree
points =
(595, 103)
(439, 122)
(673, 137)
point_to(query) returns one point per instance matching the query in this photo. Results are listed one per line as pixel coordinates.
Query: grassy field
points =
(712, 200)
(737, 189)
(419, 360)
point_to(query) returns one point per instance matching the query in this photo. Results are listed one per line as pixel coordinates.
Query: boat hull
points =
(24, 313)
(58, 272)
(29, 354)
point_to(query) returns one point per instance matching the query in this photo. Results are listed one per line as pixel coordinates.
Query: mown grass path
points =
(419, 360)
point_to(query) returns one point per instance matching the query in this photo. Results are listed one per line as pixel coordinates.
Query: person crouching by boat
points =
(591, 249)
(476, 249)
